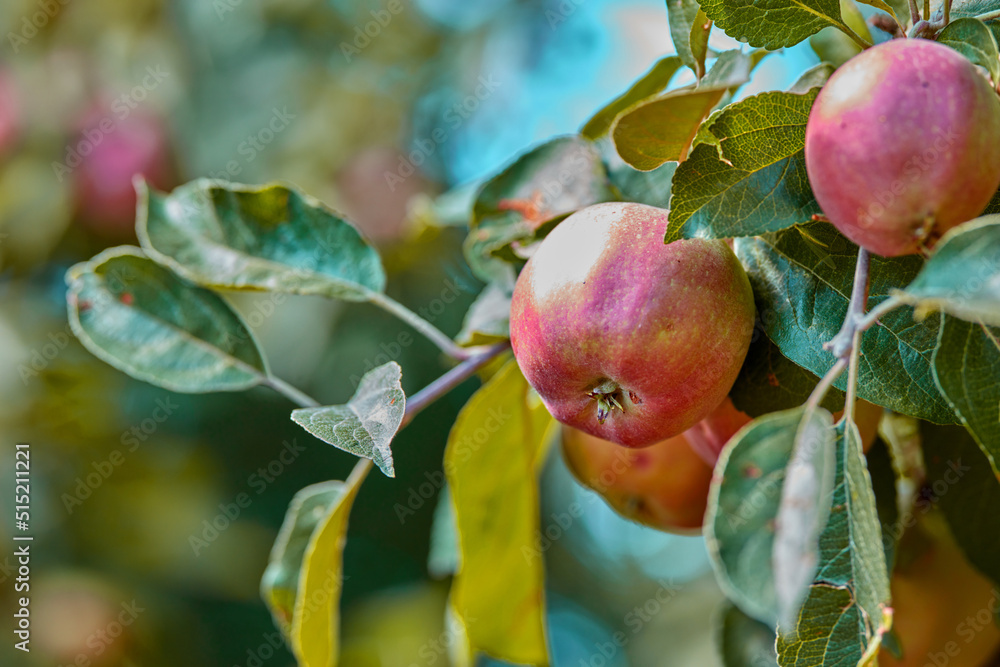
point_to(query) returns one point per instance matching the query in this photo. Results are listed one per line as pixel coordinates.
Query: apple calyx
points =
(609, 396)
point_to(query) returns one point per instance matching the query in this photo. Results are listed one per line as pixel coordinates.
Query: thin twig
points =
(297, 396)
(431, 332)
(449, 381)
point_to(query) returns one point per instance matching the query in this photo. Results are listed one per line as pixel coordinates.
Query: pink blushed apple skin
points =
(664, 486)
(604, 299)
(902, 144)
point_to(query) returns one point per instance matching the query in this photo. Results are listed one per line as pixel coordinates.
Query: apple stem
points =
(947, 12)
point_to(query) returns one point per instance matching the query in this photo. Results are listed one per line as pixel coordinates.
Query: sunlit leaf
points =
(366, 424)
(661, 130)
(649, 84)
(494, 454)
(772, 24)
(752, 178)
(304, 576)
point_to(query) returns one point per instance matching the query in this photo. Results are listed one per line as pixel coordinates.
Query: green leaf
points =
(495, 451)
(742, 504)
(966, 367)
(303, 579)
(772, 24)
(967, 490)
(488, 318)
(661, 130)
(974, 40)
(803, 512)
(844, 616)
(683, 17)
(754, 180)
(802, 280)
(962, 278)
(366, 424)
(651, 83)
(524, 202)
(142, 319)
(552, 180)
(644, 187)
(241, 237)
(698, 42)
(826, 633)
(745, 642)
(814, 77)
(770, 382)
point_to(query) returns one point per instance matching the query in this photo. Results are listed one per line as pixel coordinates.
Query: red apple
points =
(663, 486)
(624, 337)
(902, 144)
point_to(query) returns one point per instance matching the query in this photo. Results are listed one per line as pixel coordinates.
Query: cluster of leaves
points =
(814, 572)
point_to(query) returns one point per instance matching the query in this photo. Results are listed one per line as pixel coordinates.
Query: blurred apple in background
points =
(376, 187)
(81, 620)
(10, 111)
(663, 486)
(944, 611)
(110, 148)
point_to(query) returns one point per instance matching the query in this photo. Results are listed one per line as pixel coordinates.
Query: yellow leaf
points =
(495, 450)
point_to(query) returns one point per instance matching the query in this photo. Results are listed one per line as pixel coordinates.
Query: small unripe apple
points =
(625, 337)
(902, 144)
(663, 486)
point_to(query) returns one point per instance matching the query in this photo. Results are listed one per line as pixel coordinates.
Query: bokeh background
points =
(440, 95)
